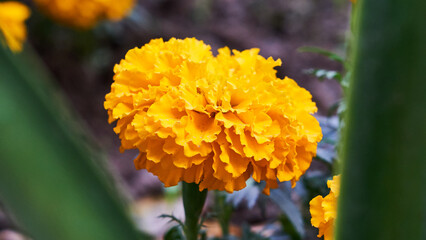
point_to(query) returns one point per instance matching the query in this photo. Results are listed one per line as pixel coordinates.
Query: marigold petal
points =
(317, 211)
(85, 14)
(235, 163)
(324, 211)
(334, 185)
(12, 26)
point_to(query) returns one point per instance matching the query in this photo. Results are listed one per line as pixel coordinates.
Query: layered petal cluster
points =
(324, 210)
(85, 13)
(12, 24)
(212, 120)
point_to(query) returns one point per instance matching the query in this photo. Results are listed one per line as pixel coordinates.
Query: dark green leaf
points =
(172, 218)
(284, 202)
(247, 234)
(383, 193)
(193, 202)
(223, 210)
(174, 233)
(288, 228)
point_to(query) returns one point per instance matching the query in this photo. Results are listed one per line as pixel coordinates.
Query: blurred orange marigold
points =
(324, 210)
(214, 121)
(85, 13)
(12, 26)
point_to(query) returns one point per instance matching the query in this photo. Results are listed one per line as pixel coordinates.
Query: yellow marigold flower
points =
(214, 121)
(85, 13)
(324, 210)
(12, 26)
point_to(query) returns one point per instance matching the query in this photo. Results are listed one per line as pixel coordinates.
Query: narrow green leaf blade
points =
(383, 195)
(174, 233)
(292, 212)
(331, 55)
(47, 180)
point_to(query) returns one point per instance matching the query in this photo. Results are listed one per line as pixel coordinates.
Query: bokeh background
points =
(81, 62)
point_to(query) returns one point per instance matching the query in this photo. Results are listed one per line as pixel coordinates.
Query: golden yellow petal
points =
(201, 128)
(330, 207)
(334, 185)
(329, 230)
(235, 163)
(254, 149)
(12, 26)
(317, 211)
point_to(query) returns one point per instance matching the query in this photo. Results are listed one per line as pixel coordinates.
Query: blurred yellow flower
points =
(85, 13)
(214, 121)
(12, 26)
(324, 210)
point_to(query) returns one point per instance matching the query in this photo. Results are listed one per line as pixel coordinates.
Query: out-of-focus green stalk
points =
(223, 209)
(47, 179)
(193, 202)
(383, 195)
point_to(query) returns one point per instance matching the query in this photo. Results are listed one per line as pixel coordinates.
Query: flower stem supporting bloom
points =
(193, 202)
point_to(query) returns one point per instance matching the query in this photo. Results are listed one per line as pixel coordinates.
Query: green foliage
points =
(223, 210)
(48, 180)
(291, 212)
(174, 233)
(382, 192)
(322, 74)
(247, 234)
(193, 202)
(331, 55)
(289, 228)
(172, 219)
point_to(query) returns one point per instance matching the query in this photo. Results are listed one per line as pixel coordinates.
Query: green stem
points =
(193, 202)
(224, 211)
(383, 194)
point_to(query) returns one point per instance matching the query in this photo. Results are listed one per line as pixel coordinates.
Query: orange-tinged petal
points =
(329, 230)
(235, 163)
(154, 150)
(330, 207)
(324, 210)
(85, 14)
(254, 149)
(121, 110)
(201, 128)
